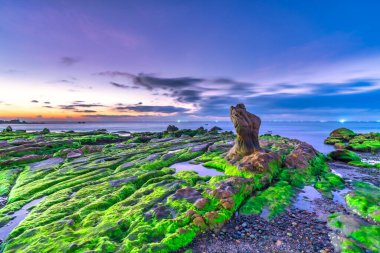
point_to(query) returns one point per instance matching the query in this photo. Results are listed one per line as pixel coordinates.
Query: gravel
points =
(292, 231)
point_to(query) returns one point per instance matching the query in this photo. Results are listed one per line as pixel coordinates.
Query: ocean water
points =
(311, 132)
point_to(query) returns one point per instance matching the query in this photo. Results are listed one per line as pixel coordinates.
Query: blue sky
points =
(122, 60)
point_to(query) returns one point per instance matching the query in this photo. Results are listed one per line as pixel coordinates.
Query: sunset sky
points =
(141, 60)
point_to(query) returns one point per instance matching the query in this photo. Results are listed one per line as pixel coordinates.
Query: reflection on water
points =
(304, 200)
(18, 217)
(202, 171)
(265, 213)
(338, 196)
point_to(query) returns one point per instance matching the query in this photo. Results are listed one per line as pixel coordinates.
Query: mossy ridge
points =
(368, 236)
(101, 208)
(356, 237)
(344, 155)
(16, 154)
(55, 212)
(276, 198)
(364, 200)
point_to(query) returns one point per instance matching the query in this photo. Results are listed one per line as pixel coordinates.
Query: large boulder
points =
(342, 133)
(339, 136)
(247, 127)
(300, 156)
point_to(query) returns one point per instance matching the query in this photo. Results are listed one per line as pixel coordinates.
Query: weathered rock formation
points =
(300, 156)
(247, 127)
(260, 161)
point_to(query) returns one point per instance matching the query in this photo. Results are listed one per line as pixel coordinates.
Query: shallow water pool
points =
(199, 168)
(18, 217)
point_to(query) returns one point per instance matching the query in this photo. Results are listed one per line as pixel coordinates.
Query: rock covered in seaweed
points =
(260, 161)
(300, 156)
(342, 133)
(343, 138)
(344, 155)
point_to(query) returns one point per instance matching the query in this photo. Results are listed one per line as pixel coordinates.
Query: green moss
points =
(334, 221)
(361, 164)
(7, 179)
(348, 246)
(276, 198)
(120, 197)
(369, 142)
(328, 182)
(344, 155)
(368, 236)
(364, 200)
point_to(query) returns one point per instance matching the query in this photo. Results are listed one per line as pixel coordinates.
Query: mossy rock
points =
(343, 133)
(344, 155)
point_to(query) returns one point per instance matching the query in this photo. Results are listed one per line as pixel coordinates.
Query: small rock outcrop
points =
(260, 161)
(247, 127)
(344, 155)
(300, 156)
(342, 133)
(172, 128)
(215, 129)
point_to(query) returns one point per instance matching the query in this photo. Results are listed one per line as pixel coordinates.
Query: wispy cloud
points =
(147, 108)
(119, 85)
(69, 61)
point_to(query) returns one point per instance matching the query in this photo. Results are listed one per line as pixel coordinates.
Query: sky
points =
(114, 60)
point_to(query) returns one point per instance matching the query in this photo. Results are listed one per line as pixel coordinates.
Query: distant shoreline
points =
(126, 122)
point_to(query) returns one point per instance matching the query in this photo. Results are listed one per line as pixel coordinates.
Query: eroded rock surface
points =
(247, 127)
(300, 157)
(260, 161)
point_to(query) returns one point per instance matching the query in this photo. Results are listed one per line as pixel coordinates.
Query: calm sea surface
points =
(311, 132)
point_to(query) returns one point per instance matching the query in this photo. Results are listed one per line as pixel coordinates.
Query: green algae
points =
(7, 179)
(276, 198)
(367, 142)
(357, 235)
(348, 246)
(364, 200)
(363, 164)
(120, 195)
(328, 182)
(368, 236)
(344, 155)
(93, 205)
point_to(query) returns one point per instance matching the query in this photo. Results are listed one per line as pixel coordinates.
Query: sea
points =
(313, 132)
